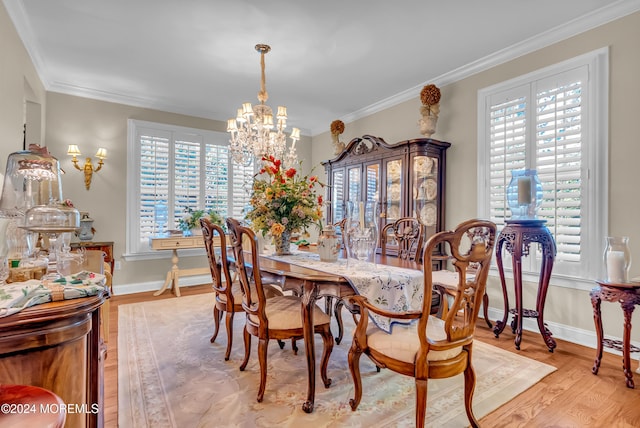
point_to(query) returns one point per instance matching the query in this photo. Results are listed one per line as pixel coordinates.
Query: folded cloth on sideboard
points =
(19, 295)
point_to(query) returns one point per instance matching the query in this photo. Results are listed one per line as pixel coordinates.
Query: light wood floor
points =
(570, 397)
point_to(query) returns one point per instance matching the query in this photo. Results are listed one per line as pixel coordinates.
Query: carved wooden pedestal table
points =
(517, 236)
(628, 294)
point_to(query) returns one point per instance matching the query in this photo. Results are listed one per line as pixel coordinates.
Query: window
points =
(555, 121)
(172, 169)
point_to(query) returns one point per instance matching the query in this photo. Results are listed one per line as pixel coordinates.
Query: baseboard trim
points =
(560, 331)
(140, 287)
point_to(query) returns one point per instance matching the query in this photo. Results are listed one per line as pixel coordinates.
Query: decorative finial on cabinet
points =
(337, 128)
(430, 98)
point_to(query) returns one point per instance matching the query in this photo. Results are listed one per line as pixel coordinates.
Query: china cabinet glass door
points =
(372, 189)
(337, 196)
(425, 188)
(354, 183)
(394, 200)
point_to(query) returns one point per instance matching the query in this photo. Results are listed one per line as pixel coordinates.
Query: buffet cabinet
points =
(58, 346)
(406, 178)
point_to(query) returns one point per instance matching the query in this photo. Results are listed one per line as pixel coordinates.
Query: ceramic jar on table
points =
(328, 244)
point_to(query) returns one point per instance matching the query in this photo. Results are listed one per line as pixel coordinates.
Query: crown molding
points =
(572, 28)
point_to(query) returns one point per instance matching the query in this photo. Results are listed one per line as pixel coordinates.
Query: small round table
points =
(628, 294)
(516, 237)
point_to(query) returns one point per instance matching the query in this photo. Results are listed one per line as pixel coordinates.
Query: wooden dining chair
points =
(226, 287)
(429, 347)
(277, 318)
(403, 238)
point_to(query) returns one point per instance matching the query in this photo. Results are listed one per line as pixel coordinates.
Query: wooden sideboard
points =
(107, 247)
(57, 346)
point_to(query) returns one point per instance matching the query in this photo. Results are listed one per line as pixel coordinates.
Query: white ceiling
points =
(330, 58)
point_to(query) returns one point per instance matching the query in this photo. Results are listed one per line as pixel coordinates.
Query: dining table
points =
(303, 273)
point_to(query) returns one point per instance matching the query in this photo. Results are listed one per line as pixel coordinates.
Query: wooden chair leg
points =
(247, 349)
(262, 359)
(337, 310)
(421, 402)
(217, 315)
(354, 368)
(229, 323)
(327, 340)
(469, 388)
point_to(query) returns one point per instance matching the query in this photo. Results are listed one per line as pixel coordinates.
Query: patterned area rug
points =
(170, 375)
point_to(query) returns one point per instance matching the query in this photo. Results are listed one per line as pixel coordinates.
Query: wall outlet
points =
(118, 265)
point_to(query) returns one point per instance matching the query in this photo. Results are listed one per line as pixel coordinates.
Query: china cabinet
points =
(407, 178)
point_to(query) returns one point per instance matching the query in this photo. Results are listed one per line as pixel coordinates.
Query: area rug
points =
(170, 375)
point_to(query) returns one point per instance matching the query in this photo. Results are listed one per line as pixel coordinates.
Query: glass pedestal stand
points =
(55, 236)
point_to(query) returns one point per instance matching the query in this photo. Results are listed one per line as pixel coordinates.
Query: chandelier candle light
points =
(254, 135)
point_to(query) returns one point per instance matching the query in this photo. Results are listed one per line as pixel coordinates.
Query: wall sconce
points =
(88, 168)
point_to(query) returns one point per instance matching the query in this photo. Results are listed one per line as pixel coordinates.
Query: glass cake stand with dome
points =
(32, 199)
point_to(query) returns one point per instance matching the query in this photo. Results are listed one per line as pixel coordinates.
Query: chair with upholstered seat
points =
(430, 347)
(228, 293)
(277, 318)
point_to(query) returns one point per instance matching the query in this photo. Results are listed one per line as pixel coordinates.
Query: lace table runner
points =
(16, 296)
(389, 287)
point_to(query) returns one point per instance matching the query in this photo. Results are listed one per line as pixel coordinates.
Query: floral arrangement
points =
(430, 98)
(192, 219)
(282, 200)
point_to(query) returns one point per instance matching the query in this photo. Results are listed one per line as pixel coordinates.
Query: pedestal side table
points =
(628, 294)
(516, 237)
(174, 243)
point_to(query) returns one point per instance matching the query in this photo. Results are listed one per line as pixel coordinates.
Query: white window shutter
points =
(559, 159)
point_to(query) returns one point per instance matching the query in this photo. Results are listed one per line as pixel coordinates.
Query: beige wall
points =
(458, 125)
(19, 83)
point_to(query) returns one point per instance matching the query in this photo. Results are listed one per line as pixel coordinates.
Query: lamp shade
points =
(102, 153)
(73, 150)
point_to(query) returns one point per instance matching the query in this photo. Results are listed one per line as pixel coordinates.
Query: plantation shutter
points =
(186, 175)
(553, 120)
(216, 178)
(176, 169)
(154, 178)
(559, 159)
(241, 189)
(507, 147)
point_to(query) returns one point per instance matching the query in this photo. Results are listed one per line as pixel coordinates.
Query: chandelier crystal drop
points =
(255, 135)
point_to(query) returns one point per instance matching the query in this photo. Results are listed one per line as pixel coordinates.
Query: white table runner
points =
(389, 287)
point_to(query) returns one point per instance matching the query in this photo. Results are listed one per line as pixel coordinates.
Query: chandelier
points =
(254, 134)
